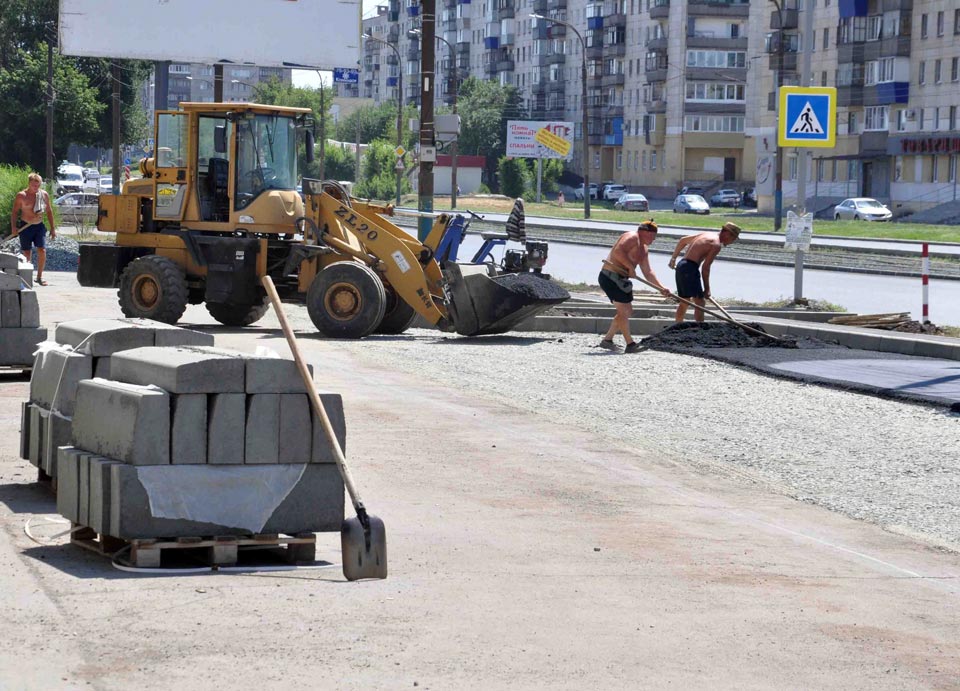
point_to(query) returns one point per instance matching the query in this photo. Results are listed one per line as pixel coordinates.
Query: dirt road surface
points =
(524, 552)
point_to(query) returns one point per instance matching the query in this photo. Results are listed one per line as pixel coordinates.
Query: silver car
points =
(861, 209)
(78, 207)
(690, 204)
(632, 202)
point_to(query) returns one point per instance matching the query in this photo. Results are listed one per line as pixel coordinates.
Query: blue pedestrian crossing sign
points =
(807, 116)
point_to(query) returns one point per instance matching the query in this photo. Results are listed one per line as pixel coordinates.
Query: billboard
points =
(270, 33)
(540, 139)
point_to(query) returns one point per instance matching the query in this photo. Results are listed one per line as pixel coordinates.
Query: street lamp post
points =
(778, 177)
(399, 167)
(455, 144)
(586, 121)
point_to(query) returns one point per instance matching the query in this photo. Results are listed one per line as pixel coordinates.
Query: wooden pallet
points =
(224, 550)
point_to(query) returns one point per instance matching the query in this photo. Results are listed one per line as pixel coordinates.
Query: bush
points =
(514, 177)
(12, 180)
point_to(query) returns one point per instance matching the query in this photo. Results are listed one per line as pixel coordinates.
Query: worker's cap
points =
(648, 225)
(731, 228)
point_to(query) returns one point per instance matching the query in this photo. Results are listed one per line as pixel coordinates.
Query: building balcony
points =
(715, 8)
(556, 59)
(655, 72)
(392, 59)
(541, 32)
(413, 52)
(413, 10)
(614, 50)
(594, 23)
(596, 111)
(539, 88)
(394, 34)
(786, 62)
(657, 44)
(716, 43)
(613, 80)
(556, 31)
(789, 19)
(491, 42)
(891, 5)
(490, 69)
(886, 93)
(463, 47)
(595, 140)
(657, 106)
(612, 112)
(873, 143)
(850, 52)
(392, 81)
(850, 95)
(556, 87)
(895, 47)
(660, 9)
(505, 66)
(556, 4)
(595, 52)
(719, 108)
(539, 6)
(506, 12)
(615, 19)
(709, 74)
(554, 113)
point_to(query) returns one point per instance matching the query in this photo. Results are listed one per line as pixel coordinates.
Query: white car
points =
(690, 204)
(726, 197)
(69, 179)
(613, 192)
(594, 190)
(861, 209)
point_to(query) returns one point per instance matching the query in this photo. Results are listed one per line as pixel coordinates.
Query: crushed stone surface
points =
(693, 335)
(62, 252)
(530, 285)
(892, 463)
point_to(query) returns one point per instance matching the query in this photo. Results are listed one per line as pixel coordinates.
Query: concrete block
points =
(9, 281)
(321, 449)
(101, 367)
(38, 429)
(17, 346)
(296, 428)
(54, 383)
(125, 422)
(180, 370)
(59, 433)
(25, 430)
(263, 429)
(9, 260)
(29, 310)
(25, 271)
(83, 513)
(99, 498)
(903, 345)
(226, 422)
(188, 429)
(935, 348)
(68, 483)
(10, 309)
(274, 375)
(205, 500)
(167, 335)
(102, 337)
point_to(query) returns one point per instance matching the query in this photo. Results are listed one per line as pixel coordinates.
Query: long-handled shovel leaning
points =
(723, 317)
(363, 540)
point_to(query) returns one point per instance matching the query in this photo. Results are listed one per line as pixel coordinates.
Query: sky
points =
(310, 78)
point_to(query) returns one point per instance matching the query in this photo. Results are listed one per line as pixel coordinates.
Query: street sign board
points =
(552, 141)
(399, 151)
(807, 116)
(346, 75)
(522, 139)
(799, 232)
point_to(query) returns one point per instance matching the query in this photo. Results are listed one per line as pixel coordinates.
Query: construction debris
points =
(695, 335)
(890, 321)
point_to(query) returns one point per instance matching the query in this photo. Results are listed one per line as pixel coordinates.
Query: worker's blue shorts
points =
(33, 236)
(688, 279)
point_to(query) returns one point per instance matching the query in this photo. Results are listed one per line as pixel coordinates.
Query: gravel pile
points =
(892, 463)
(532, 286)
(692, 336)
(62, 252)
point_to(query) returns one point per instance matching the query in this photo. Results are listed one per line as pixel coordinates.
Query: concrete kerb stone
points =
(59, 433)
(101, 337)
(25, 430)
(226, 435)
(10, 282)
(180, 370)
(10, 309)
(68, 483)
(264, 373)
(18, 345)
(168, 335)
(29, 310)
(262, 432)
(99, 503)
(295, 429)
(321, 448)
(188, 430)
(83, 513)
(127, 422)
(8, 260)
(54, 383)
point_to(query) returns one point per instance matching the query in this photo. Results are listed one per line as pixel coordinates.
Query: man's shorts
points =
(33, 236)
(618, 288)
(688, 279)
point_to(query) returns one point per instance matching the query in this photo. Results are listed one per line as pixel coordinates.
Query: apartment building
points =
(685, 92)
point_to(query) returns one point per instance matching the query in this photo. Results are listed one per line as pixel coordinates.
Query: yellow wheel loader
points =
(217, 208)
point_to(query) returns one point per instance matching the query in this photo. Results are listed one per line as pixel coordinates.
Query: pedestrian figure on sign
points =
(628, 253)
(30, 205)
(807, 125)
(701, 250)
(561, 200)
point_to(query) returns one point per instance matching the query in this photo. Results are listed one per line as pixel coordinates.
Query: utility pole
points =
(323, 131)
(218, 83)
(805, 76)
(115, 70)
(427, 141)
(778, 151)
(49, 152)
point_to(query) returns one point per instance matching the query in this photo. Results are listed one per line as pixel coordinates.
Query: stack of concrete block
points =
(20, 330)
(200, 442)
(82, 350)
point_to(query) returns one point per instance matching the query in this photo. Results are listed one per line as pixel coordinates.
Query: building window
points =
(853, 170)
(716, 58)
(873, 27)
(821, 170)
(923, 73)
(643, 160)
(936, 71)
(934, 168)
(923, 26)
(923, 117)
(826, 38)
(714, 91)
(954, 69)
(875, 118)
(596, 160)
(952, 169)
(653, 160)
(898, 168)
(940, 23)
(713, 123)
(852, 123)
(956, 21)
(953, 117)
(619, 160)
(792, 168)
(901, 120)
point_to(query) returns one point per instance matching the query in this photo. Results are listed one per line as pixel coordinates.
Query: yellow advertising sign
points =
(552, 141)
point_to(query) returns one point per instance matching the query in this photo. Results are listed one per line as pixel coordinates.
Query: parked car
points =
(690, 204)
(69, 179)
(594, 191)
(632, 202)
(725, 197)
(861, 209)
(78, 207)
(693, 190)
(613, 192)
(750, 197)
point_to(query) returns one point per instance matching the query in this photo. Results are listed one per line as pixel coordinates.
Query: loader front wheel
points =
(153, 287)
(346, 300)
(229, 314)
(398, 315)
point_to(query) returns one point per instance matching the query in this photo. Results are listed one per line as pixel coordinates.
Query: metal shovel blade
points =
(364, 554)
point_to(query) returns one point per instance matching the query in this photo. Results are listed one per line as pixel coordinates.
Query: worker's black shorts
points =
(688, 279)
(33, 236)
(618, 288)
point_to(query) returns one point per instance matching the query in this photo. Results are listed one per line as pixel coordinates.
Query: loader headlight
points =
(246, 219)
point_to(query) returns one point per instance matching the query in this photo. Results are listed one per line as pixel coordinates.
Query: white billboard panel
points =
(521, 138)
(272, 33)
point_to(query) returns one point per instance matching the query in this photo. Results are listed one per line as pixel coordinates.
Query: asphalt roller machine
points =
(217, 208)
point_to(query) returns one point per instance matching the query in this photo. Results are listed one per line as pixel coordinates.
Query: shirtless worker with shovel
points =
(702, 249)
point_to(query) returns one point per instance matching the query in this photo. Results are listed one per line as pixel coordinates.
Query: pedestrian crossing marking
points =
(807, 122)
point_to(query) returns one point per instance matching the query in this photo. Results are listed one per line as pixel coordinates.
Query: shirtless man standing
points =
(31, 204)
(701, 249)
(628, 253)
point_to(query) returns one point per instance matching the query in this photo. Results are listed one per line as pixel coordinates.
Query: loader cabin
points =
(220, 167)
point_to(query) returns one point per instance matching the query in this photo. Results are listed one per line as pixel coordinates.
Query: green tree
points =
(485, 107)
(514, 176)
(379, 176)
(378, 122)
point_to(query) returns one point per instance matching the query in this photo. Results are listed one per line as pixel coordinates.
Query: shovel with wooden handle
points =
(722, 317)
(363, 540)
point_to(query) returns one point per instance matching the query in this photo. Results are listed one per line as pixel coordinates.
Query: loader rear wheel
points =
(346, 300)
(153, 287)
(398, 315)
(238, 315)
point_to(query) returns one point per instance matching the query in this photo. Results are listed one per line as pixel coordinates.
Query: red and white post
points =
(925, 271)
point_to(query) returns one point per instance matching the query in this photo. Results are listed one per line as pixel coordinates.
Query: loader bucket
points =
(481, 304)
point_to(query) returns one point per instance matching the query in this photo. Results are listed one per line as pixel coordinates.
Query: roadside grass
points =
(746, 219)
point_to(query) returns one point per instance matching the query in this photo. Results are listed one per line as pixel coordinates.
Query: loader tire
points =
(153, 287)
(398, 315)
(229, 314)
(346, 300)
